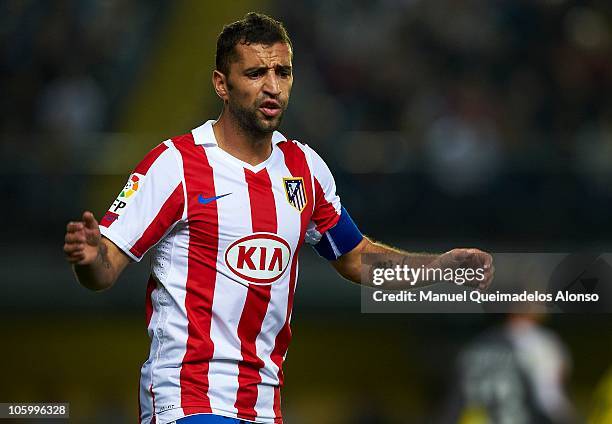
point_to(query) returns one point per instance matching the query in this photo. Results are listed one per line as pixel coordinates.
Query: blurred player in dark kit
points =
(513, 374)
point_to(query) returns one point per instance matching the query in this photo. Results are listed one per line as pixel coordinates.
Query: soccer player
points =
(512, 373)
(224, 210)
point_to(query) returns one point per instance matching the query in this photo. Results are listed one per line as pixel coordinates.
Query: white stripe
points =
(332, 243)
(171, 328)
(168, 325)
(146, 401)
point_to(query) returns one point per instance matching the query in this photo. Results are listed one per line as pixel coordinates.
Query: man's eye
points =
(255, 74)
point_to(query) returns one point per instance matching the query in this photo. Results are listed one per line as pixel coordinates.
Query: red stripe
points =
(263, 218)
(150, 157)
(108, 219)
(153, 419)
(201, 275)
(263, 206)
(170, 212)
(324, 215)
(295, 160)
(278, 418)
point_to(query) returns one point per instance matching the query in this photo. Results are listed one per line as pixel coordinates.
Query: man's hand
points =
(469, 258)
(96, 261)
(82, 240)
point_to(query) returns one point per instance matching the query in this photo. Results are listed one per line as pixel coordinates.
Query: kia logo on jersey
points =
(259, 258)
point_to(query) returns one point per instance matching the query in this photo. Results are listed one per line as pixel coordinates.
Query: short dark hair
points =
(254, 28)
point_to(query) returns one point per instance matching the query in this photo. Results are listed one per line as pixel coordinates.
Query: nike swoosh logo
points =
(204, 200)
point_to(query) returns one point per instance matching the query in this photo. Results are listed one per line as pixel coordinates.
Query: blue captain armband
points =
(340, 239)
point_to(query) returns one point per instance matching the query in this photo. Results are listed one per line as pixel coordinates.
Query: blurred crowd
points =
(504, 104)
(474, 84)
(427, 105)
(65, 64)
(66, 69)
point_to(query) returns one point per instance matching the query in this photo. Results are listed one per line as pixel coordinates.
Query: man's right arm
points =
(96, 261)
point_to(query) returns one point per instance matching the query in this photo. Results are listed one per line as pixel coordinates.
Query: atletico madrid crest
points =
(294, 189)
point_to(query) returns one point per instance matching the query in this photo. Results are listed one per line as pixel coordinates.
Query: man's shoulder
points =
(294, 147)
(182, 139)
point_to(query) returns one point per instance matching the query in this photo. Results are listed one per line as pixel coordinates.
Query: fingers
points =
(76, 258)
(474, 259)
(74, 237)
(81, 239)
(71, 250)
(89, 220)
(484, 260)
(74, 234)
(74, 252)
(488, 279)
(74, 242)
(73, 226)
(462, 255)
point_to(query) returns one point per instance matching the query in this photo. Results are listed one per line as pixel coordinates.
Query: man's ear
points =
(219, 81)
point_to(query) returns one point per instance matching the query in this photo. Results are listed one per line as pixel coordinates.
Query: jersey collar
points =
(204, 135)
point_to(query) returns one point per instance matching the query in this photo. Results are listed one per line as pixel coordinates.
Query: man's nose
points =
(271, 84)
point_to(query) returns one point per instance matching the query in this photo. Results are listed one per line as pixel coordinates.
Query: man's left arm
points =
(336, 238)
(350, 265)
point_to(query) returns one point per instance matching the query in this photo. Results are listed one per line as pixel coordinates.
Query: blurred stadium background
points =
(446, 123)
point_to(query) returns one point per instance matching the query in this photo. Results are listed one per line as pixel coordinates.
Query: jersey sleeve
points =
(150, 204)
(331, 230)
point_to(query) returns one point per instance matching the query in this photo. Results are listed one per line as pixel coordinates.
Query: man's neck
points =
(240, 144)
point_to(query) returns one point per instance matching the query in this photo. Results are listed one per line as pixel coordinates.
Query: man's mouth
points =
(270, 108)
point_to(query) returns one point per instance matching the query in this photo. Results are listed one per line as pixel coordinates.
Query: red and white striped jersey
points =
(225, 237)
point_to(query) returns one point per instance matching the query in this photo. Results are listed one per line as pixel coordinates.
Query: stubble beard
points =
(251, 122)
